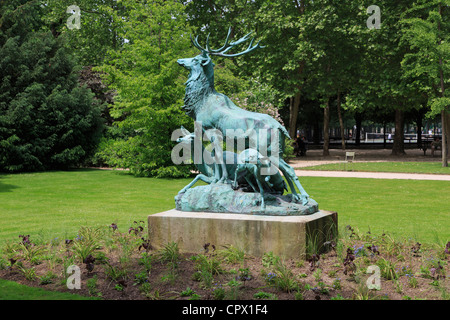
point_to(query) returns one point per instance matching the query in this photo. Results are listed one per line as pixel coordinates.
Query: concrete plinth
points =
(286, 236)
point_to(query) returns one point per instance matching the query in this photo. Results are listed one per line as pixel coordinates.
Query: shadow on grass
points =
(4, 187)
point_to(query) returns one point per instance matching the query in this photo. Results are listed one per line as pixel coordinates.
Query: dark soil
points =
(175, 275)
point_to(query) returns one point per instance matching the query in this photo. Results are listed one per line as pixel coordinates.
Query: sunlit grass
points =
(56, 204)
(403, 167)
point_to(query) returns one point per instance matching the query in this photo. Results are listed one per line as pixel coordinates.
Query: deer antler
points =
(227, 46)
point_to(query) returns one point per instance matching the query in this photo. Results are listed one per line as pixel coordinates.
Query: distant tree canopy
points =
(320, 58)
(47, 121)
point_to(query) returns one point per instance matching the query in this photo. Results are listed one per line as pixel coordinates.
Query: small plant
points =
(398, 286)
(269, 260)
(387, 269)
(264, 295)
(437, 271)
(141, 278)
(89, 261)
(447, 248)
(187, 293)
(284, 279)
(337, 284)
(321, 288)
(374, 250)
(119, 287)
(298, 295)
(415, 249)
(146, 261)
(349, 265)
(137, 228)
(318, 275)
(115, 273)
(412, 280)
(234, 289)
(145, 245)
(47, 278)
(29, 273)
(332, 273)
(270, 278)
(30, 251)
(232, 254)
(170, 253)
(360, 252)
(218, 292)
(244, 275)
(313, 261)
(145, 288)
(92, 284)
(207, 268)
(87, 242)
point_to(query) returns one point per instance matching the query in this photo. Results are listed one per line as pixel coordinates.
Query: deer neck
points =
(199, 85)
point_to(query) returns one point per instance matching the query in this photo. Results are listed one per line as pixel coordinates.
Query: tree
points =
(47, 121)
(150, 88)
(427, 31)
(101, 27)
(329, 43)
(276, 25)
(381, 87)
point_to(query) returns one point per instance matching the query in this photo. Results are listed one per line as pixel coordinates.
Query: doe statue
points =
(246, 181)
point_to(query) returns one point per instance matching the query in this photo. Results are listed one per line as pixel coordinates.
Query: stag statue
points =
(245, 167)
(216, 111)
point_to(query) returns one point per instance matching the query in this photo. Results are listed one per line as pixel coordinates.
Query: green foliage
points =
(101, 27)
(426, 29)
(149, 89)
(87, 242)
(47, 121)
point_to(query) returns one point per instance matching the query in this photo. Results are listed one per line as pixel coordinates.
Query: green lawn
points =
(11, 290)
(55, 204)
(404, 167)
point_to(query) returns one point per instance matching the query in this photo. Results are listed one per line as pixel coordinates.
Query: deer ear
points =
(205, 63)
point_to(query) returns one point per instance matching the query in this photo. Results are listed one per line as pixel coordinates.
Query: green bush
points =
(47, 120)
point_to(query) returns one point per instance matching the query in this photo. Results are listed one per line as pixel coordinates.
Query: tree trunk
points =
(419, 124)
(326, 129)
(358, 120)
(294, 104)
(398, 147)
(445, 135)
(341, 122)
(316, 134)
(444, 116)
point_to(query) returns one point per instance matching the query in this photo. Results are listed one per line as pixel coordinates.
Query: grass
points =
(11, 290)
(402, 167)
(404, 208)
(56, 204)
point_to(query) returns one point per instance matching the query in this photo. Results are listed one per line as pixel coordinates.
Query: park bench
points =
(424, 147)
(428, 145)
(436, 148)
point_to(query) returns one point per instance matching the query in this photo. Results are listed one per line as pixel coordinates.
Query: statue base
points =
(221, 198)
(289, 237)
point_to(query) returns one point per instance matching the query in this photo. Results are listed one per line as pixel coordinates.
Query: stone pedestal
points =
(289, 237)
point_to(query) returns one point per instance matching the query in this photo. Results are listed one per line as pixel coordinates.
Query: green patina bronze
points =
(263, 139)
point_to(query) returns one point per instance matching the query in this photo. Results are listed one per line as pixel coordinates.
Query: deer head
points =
(203, 62)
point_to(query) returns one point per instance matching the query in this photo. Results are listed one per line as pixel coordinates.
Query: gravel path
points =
(373, 175)
(314, 157)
